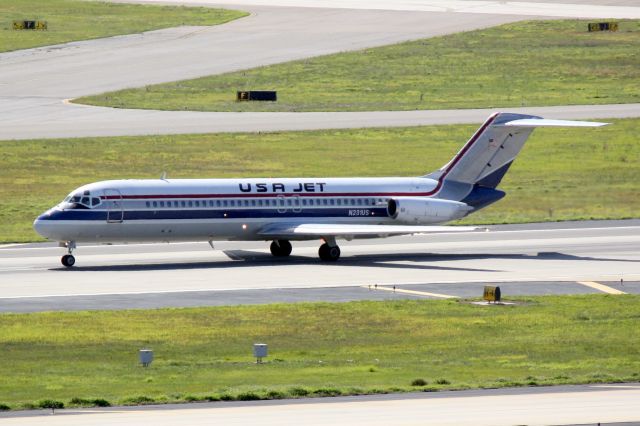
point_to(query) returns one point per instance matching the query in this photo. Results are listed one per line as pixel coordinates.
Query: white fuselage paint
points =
(165, 210)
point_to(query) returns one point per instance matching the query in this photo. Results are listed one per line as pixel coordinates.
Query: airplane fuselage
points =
(222, 209)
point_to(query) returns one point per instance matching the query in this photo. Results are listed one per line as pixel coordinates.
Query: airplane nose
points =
(39, 227)
(42, 225)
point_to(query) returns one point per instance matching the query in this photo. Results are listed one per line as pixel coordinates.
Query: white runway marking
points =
(394, 289)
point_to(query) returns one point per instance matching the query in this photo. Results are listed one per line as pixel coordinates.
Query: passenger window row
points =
(269, 202)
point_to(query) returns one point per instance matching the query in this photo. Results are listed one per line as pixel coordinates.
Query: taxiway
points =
(558, 405)
(35, 84)
(551, 258)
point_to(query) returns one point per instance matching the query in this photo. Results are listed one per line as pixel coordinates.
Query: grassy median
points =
(73, 20)
(520, 64)
(316, 349)
(562, 174)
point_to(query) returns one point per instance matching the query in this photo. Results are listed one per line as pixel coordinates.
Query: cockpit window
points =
(82, 200)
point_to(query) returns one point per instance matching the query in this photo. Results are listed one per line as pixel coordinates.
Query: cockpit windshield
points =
(80, 200)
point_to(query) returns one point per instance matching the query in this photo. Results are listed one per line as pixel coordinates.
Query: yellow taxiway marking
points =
(412, 292)
(601, 287)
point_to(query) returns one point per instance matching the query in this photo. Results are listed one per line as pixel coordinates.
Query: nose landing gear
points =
(69, 260)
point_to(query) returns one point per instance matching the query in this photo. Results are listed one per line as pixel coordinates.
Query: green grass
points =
(520, 64)
(562, 174)
(72, 20)
(315, 349)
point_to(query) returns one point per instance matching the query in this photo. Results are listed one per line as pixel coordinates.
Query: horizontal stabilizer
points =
(318, 230)
(486, 157)
(542, 122)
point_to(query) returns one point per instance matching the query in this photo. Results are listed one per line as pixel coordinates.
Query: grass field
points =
(317, 349)
(561, 174)
(72, 20)
(519, 64)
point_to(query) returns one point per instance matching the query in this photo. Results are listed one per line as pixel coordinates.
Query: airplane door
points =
(115, 211)
(282, 207)
(297, 207)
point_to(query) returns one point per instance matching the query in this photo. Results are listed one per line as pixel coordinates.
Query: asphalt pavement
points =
(35, 84)
(561, 258)
(557, 405)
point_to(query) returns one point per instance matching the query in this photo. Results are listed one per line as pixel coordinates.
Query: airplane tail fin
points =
(485, 158)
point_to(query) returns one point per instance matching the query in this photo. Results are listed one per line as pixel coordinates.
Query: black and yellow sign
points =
(29, 25)
(491, 294)
(257, 95)
(603, 26)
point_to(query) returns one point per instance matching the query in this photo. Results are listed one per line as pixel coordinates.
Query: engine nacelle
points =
(414, 210)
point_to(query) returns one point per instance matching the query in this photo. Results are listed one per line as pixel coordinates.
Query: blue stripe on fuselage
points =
(168, 214)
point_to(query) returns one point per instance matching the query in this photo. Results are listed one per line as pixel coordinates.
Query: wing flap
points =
(317, 230)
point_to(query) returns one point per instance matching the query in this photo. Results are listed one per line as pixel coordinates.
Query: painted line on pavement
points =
(616, 386)
(10, 245)
(601, 287)
(394, 289)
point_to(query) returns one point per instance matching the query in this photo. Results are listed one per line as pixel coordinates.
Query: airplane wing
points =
(543, 122)
(318, 230)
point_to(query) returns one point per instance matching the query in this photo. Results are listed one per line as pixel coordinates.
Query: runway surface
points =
(35, 83)
(528, 259)
(83, 122)
(617, 9)
(560, 405)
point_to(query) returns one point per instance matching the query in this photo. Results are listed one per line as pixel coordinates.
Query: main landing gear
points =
(329, 251)
(69, 260)
(280, 248)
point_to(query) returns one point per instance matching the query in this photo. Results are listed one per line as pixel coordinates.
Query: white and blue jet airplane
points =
(292, 209)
